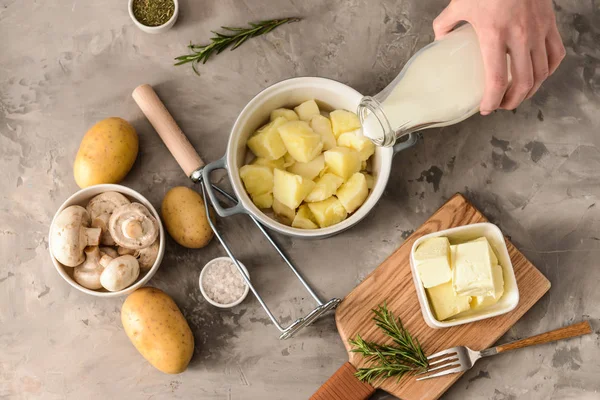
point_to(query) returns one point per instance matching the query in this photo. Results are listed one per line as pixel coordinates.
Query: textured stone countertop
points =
(66, 64)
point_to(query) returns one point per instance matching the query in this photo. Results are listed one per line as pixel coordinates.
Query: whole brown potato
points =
(106, 153)
(158, 330)
(184, 215)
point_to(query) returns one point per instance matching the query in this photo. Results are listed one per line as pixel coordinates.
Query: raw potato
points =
(288, 160)
(309, 170)
(307, 110)
(264, 200)
(370, 180)
(354, 192)
(288, 114)
(328, 212)
(257, 179)
(322, 126)
(106, 153)
(342, 161)
(326, 186)
(184, 215)
(343, 121)
(266, 142)
(291, 189)
(158, 330)
(319, 175)
(279, 163)
(364, 146)
(301, 142)
(284, 214)
(304, 219)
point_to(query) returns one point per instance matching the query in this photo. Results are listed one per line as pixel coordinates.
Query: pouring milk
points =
(442, 84)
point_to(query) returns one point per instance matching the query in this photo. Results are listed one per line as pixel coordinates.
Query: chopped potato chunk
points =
(310, 169)
(301, 141)
(370, 180)
(364, 146)
(263, 200)
(328, 212)
(288, 160)
(284, 214)
(326, 187)
(304, 219)
(279, 163)
(342, 161)
(322, 126)
(343, 121)
(266, 142)
(354, 192)
(291, 189)
(286, 113)
(307, 110)
(258, 179)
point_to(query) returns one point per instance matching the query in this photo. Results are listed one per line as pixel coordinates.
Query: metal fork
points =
(461, 358)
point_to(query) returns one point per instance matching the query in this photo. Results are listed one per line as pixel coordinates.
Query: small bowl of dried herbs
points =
(154, 16)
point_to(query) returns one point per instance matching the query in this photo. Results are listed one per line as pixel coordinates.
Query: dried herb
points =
(404, 356)
(153, 12)
(221, 41)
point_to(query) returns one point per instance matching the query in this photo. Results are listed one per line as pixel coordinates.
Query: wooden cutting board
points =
(392, 282)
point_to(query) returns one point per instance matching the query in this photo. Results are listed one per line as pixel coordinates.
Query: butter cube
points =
(432, 259)
(452, 255)
(472, 273)
(485, 301)
(492, 254)
(445, 302)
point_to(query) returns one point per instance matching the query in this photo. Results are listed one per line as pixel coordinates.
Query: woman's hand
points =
(525, 29)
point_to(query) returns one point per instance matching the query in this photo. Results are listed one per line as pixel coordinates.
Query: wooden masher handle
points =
(168, 130)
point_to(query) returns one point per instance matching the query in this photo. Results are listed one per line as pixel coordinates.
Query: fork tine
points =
(447, 372)
(444, 360)
(443, 353)
(446, 365)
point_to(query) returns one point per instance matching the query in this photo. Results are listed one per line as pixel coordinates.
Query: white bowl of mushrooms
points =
(106, 240)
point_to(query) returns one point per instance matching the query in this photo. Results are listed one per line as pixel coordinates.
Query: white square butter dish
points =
(461, 234)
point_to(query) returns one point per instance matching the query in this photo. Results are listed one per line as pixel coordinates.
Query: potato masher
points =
(191, 163)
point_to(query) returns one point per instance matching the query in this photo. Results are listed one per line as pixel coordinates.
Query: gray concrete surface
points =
(67, 64)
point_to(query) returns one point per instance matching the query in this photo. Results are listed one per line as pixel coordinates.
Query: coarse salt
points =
(222, 282)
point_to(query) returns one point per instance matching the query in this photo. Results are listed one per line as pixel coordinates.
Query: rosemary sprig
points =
(404, 356)
(221, 41)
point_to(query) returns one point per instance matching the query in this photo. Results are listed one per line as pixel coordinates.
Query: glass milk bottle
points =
(442, 84)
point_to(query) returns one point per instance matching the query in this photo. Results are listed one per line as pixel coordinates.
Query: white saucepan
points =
(329, 94)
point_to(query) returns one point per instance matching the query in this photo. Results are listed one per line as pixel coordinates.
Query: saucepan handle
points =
(344, 385)
(410, 141)
(222, 211)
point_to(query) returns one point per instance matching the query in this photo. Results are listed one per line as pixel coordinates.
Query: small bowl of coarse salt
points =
(221, 283)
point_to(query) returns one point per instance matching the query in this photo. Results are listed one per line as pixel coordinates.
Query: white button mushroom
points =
(108, 251)
(70, 234)
(124, 250)
(88, 273)
(101, 208)
(145, 256)
(119, 272)
(148, 255)
(133, 227)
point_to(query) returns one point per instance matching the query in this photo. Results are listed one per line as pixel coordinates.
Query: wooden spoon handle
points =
(582, 328)
(343, 385)
(168, 130)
